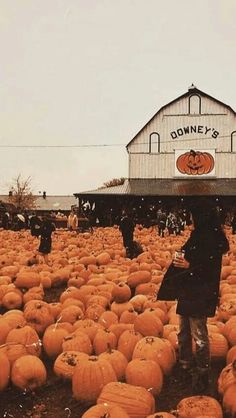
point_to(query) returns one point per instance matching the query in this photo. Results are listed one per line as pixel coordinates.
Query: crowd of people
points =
(192, 278)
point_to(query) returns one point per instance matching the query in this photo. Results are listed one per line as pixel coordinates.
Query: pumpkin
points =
(163, 415)
(12, 300)
(226, 377)
(193, 406)
(88, 326)
(148, 324)
(138, 277)
(90, 376)
(77, 341)
(157, 349)
(14, 318)
(121, 292)
(229, 400)
(52, 340)
(135, 400)
(27, 279)
(64, 365)
(38, 316)
(117, 360)
(127, 342)
(5, 371)
(105, 411)
(102, 339)
(28, 372)
(231, 355)
(145, 373)
(27, 336)
(108, 318)
(71, 314)
(4, 330)
(129, 316)
(195, 163)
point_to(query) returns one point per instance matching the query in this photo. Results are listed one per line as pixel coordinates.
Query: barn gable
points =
(194, 121)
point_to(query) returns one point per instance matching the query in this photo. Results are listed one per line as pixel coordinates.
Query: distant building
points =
(49, 203)
(186, 150)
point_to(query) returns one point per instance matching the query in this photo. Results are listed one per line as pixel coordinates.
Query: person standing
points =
(72, 221)
(6, 220)
(233, 224)
(127, 230)
(34, 224)
(198, 292)
(46, 229)
(161, 223)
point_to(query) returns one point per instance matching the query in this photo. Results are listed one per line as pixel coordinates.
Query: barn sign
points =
(194, 163)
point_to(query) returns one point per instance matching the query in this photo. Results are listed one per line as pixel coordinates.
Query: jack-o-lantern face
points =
(195, 163)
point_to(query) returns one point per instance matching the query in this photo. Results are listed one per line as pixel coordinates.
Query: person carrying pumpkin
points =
(193, 279)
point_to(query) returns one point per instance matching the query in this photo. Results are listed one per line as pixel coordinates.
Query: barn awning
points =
(166, 187)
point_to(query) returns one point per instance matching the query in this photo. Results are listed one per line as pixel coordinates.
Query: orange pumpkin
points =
(108, 411)
(5, 371)
(64, 365)
(28, 372)
(135, 400)
(90, 376)
(195, 163)
(193, 406)
(145, 373)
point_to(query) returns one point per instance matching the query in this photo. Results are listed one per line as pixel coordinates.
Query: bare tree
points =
(21, 194)
(114, 182)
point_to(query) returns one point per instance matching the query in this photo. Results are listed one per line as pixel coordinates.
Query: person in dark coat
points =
(126, 227)
(34, 224)
(198, 291)
(6, 220)
(233, 224)
(46, 229)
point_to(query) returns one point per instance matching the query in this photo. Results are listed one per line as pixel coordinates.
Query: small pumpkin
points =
(64, 365)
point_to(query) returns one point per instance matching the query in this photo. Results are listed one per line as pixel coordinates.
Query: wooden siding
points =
(179, 129)
(163, 165)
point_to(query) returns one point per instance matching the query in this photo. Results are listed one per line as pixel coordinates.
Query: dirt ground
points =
(54, 400)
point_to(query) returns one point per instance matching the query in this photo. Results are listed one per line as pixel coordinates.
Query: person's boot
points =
(200, 381)
(184, 373)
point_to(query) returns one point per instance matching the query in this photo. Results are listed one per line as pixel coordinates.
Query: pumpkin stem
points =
(109, 348)
(192, 152)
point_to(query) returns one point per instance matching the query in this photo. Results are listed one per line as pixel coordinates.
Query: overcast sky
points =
(93, 72)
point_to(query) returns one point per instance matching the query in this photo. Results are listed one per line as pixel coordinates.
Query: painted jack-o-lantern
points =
(195, 162)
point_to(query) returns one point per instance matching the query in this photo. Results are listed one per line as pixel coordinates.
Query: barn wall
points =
(194, 122)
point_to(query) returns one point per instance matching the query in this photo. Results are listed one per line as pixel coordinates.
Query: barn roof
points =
(167, 187)
(50, 203)
(191, 90)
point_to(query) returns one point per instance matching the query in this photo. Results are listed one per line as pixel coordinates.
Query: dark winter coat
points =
(197, 288)
(46, 231)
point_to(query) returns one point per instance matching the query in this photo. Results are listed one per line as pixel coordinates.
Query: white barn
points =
(188, 148)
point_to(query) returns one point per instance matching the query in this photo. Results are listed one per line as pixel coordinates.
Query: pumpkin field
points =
(84, 336)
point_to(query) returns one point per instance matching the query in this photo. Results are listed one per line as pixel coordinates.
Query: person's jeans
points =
(194, 328)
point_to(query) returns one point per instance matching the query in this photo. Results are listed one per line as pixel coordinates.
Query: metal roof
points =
(167, 187)
(50, 203)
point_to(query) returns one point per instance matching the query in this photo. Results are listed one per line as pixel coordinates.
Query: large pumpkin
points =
(195, 163)
(90, 376)
(135, 400)
(194, 406)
